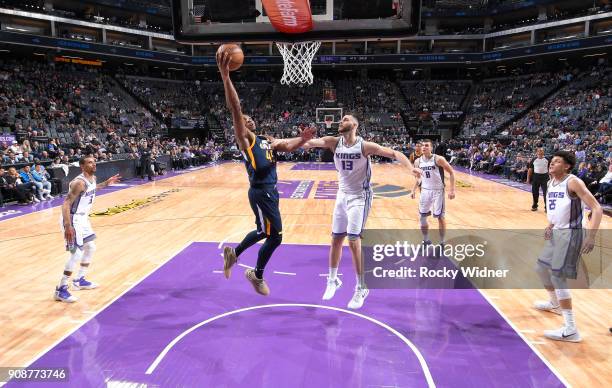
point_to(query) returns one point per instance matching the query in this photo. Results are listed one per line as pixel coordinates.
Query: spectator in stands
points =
(41, 176)
(582, 171)
(28, 178)
(26, 157)
(594, 176)
(475, 160)
(498, 164)
(11, 158)
(580, 154)
(3, 186)
(44, 156)
(15, 148)
(25, 146)
(605, 185)
(23, 191)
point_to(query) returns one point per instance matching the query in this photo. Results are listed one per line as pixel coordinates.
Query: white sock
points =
(64, 280)
(568, 317)
(553, 298)
(82, 271)
(425, 236)
(359, 280)
(333, 272)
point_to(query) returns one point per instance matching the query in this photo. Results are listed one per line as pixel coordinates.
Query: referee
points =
(537, 175)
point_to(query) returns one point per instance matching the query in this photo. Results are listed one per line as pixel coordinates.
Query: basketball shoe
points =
(563, 334)
(358, 297)
(332, 286)
(82, 284)
(63, 295)
(260, 285)
(229, 259)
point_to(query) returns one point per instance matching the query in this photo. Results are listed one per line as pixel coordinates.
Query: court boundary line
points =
(531, 346)
(415, 350)
(71, 332)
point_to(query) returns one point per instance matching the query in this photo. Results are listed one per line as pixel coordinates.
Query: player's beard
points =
(345, 129)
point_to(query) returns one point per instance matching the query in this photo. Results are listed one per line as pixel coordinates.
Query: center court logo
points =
(329, 189)
(389, 191)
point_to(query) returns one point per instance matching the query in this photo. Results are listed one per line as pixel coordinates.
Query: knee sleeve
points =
(561, 289)
(423, 220)
(89, 249)
(275, 238)
(544, 274)
(73, 259)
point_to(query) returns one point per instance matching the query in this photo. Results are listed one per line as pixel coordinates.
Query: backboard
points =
(207, 21)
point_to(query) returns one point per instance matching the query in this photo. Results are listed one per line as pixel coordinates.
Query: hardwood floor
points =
(211, 205)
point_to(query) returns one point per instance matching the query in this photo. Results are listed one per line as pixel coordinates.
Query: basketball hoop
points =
(329, 123)
(298, 61)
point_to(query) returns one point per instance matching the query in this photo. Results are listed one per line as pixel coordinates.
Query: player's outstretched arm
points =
(578, 187)
(441, 162)
(370, 148)
(233, 102)
(76, 188)
(292, 144)
(328, 142)
(110, 181)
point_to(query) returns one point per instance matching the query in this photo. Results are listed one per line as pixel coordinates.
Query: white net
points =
(298, 62)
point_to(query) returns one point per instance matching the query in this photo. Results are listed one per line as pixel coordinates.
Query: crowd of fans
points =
(58, 114)
(498, 100)
(435, 96)
(575, 118)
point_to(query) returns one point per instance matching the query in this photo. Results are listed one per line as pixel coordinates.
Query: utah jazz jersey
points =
(260, 162)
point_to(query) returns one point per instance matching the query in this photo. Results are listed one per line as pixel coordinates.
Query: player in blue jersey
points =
(259, 154)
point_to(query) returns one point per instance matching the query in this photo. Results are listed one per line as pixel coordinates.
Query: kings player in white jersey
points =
(78, 233)
(432, 200)
(354, 198)
(566, 241)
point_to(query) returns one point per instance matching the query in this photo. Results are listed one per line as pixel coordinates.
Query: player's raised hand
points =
(223, 62)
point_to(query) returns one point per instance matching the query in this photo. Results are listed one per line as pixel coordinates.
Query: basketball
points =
(235, 52)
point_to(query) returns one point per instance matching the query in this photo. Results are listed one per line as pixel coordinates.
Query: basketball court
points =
(165, 315)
